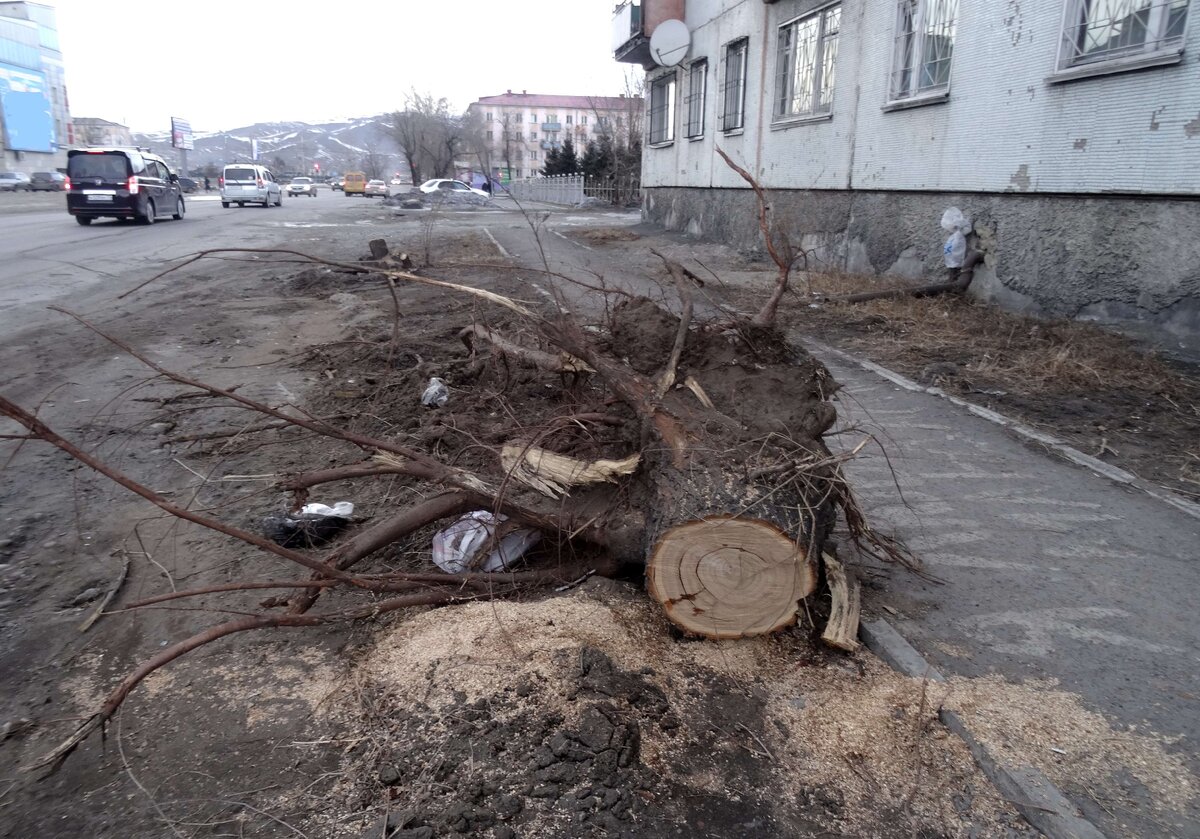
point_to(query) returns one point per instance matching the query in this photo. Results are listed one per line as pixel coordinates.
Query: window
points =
(533, 117)
(488, 116)
(583, 120)
(533, 155)
(491, 136)
(520, 137)
(924, 44)
(807, 55)
(1101, 30)
(733, 88)
(697, 81)
(662, 109)
(568, 119)
(532, 135)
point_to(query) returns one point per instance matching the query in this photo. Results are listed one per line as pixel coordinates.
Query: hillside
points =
(335, 146)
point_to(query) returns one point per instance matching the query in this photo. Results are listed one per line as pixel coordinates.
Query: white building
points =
(1069, 129)
(520, 128)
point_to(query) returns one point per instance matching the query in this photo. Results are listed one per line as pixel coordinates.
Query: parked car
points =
(188, 185)
(336, 183)
(375, 188)
(249, 183)
(302, 186)
(395, 182)
(121, 183)
(47, 182)
(14, 182)
(353, 183)
(452, 186)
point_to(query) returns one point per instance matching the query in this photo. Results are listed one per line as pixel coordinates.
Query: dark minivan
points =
(121, 183)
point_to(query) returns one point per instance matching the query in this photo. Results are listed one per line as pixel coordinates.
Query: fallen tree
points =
(720, 490)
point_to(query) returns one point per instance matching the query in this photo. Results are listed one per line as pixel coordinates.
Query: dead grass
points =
(602, 235)
(1101, 391)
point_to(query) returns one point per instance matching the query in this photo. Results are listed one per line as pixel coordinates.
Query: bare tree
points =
(429, 134)
(374, 162)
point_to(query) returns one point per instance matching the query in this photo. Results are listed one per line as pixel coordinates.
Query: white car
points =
(249, 183)
(451, 186)
(302, 186)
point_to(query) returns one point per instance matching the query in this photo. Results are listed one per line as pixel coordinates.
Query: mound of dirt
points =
(580, 716)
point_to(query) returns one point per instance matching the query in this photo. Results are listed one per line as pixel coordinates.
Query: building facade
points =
(90, 131)
(34, 110)
(1069, 130)
(519, 129)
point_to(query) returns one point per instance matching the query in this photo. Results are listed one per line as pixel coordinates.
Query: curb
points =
(1051, 442)
(1032, 794)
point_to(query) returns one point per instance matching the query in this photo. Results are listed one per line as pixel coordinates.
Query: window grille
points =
(924, 47)
(733, 86)
(662, 109)
(697, 85)
(1101, 30)
(806, 60)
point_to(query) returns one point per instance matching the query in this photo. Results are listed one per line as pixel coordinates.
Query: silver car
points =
(14, 182)
(249, 183)
(302, 186)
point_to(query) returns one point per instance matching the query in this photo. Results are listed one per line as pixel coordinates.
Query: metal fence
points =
(556, 189)
(573, 190)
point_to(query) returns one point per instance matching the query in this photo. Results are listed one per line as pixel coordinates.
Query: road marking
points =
(1043, 627)
(572, 241)
(499, 246)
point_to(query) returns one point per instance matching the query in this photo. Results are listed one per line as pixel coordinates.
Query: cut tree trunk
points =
(729, 577)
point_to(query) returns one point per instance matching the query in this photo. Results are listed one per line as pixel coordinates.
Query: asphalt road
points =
(48, 258)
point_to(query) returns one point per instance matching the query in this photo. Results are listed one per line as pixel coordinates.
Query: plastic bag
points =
(955, 219)
(456, 548)
(955, 250)
(436, 393)
(313, 526)
(345, 509)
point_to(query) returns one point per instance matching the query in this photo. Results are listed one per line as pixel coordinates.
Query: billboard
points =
(28, 117)
(181, 134)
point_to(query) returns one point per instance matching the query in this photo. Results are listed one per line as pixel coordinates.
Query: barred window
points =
(697, 87)
(924, 46)
(805, 62)
(733, 85)
(662, 109)
(1101, 30)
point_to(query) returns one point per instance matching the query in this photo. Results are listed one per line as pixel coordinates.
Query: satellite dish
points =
(669, 43)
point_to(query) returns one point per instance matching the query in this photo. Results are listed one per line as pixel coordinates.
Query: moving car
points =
(188, 185)
(336, 183)
(302, 186)
(375, 188)
(121, 183)
(47, 182)
(14, 182)
(249, 183)
(353, 183)
(449, 185)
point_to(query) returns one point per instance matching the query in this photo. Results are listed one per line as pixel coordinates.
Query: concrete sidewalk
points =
(1048, 571)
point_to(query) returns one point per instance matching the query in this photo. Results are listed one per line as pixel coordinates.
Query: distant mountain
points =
(337, 146)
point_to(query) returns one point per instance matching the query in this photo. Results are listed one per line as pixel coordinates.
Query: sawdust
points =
(1037, 724)
(841, 739)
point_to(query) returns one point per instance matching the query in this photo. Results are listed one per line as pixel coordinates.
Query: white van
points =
(249, 183)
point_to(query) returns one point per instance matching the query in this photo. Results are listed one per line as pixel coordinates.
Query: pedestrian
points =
(486, 186)
(207, 184)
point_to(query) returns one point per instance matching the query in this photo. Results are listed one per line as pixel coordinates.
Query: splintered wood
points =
(841, 631)
(729, 578)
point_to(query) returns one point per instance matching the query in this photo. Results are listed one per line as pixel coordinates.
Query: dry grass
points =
(602, 235)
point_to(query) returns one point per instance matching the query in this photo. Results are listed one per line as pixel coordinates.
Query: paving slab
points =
(1046, 570)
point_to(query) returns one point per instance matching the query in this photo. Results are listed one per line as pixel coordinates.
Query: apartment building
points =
(1068, 129)
(520, 128)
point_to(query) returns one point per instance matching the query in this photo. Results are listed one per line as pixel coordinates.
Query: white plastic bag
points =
(955, 250)
(955, 219)
(456, 548)
(342, 509)
(436, 393)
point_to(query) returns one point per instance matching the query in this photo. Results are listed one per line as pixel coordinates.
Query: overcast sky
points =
(222, 64)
